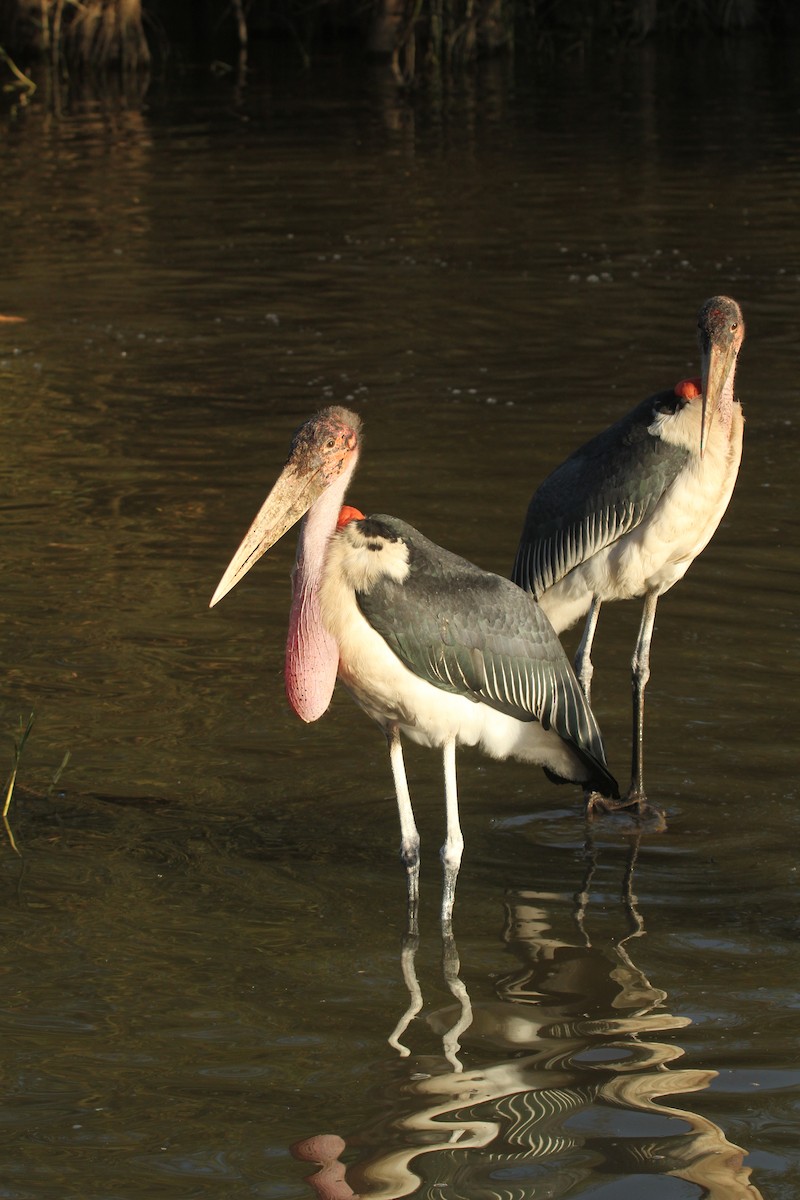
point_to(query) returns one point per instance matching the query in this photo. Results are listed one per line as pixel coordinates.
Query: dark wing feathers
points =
(601, 492)
(478, 635)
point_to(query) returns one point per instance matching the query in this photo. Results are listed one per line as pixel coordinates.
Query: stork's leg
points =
(583, 658)
(409, 835)
(453, 846)
(640, 673)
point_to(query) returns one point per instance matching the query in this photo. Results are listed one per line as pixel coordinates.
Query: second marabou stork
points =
(627, 514)
(429, 645)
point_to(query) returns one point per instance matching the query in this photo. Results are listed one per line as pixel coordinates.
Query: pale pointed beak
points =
(718, 362)
(290, 499)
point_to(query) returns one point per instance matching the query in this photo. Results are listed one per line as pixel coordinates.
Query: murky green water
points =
(201, 956)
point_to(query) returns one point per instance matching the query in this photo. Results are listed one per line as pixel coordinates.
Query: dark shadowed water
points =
(201, 953)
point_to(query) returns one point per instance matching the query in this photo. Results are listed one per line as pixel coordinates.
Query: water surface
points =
(202, 951)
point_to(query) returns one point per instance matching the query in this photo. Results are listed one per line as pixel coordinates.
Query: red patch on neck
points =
(347, 514)
(688, 389)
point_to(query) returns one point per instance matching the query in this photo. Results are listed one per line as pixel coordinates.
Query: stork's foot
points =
(647, 817)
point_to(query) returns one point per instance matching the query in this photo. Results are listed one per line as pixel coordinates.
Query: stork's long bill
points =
(321, 451)
(720, 332)
(312, 485)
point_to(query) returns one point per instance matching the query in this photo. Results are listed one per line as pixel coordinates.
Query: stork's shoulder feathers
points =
(603, 490)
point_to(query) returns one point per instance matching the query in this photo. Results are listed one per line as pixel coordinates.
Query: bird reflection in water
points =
(571, 1093)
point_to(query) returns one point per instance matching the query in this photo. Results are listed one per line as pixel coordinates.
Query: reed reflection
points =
(574, 1060)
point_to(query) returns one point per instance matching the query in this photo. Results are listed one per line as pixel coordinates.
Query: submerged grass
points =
(59, 772)
(19, 746)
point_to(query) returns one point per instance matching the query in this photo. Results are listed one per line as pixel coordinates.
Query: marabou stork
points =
(627, 513)
(428, 644)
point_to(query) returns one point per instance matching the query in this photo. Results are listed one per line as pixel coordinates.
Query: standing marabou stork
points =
(627, 513)
(427, 644)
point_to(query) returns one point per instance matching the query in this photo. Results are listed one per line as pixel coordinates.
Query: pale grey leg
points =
(583, 658)
(640, 673)
(409, 835)
(453, 846)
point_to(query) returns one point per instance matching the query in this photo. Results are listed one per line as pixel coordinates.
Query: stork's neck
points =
(724, 413)
(312, 655)
(317, 529)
